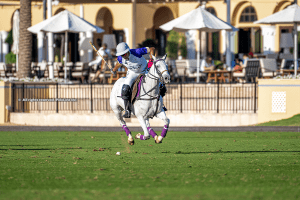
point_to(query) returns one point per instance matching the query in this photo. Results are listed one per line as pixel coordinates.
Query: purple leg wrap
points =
(126, 130)
(151, 132)
(142, 137)
(164, 131)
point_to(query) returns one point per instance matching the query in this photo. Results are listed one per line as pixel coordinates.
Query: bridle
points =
(160, 73)
(152, 76)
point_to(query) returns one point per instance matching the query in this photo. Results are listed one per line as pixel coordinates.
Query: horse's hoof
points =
(130, 141)
(159, 139)
(137, 136)
(156, 139)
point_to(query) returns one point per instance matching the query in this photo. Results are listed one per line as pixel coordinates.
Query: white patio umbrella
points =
(16, 36)
(198, 19)
(65, 21)
(290, 15)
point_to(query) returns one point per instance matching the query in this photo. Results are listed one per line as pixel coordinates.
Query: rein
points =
(152, 77)
(159, 73)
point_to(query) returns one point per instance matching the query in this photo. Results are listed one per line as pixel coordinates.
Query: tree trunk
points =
(25, 44)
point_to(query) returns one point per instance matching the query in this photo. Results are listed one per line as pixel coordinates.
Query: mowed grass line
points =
(191, 165)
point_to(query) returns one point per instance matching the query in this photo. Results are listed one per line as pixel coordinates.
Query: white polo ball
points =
(118, 153)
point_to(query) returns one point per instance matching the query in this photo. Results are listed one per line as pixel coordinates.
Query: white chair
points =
(10, 70)
(92, 72)
(288, 64)
(191, 70)
(68, 68)
(2, 69)
(43, 69)
(57, 67)
(80, 71)
(181, 66)
(268, 67)
(172, 68)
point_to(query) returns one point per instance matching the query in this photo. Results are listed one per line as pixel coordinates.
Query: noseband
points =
(152, 76)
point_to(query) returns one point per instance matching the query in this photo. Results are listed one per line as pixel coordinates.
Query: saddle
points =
(135, 88)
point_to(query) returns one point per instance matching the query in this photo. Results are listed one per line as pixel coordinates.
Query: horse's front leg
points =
(146, 135)
(151, 131)
(162, 115)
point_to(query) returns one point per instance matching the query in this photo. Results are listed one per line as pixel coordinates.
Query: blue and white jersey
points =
(136, 62)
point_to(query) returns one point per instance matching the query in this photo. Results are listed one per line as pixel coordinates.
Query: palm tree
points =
(25, 44)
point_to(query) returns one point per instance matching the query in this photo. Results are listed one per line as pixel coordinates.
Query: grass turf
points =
(191, 165)
(293, 121)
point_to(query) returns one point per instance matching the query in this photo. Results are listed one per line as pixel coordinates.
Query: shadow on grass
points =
(203, 152)
(26, 149)
(20, 145)
(52, 149)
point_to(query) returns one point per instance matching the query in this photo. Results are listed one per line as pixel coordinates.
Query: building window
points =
(248, 15)
(211, 10)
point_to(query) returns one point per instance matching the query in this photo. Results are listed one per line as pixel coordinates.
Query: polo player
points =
(136, 64)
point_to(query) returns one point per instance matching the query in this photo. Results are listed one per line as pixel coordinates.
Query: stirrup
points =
(165, 109)
(127, 114)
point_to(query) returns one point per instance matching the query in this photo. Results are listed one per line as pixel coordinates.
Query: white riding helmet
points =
(122, 48)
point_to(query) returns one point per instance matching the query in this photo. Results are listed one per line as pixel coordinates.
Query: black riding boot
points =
(126, 95)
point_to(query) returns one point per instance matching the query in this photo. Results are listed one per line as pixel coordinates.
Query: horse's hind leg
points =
(151, 131)
(123, 124)
(146, 135)
(162, 115)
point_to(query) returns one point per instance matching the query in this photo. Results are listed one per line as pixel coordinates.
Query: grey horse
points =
(148, 104)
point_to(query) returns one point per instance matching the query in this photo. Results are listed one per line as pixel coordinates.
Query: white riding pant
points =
(130, 77)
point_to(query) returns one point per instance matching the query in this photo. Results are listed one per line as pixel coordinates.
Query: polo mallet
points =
(100, 55)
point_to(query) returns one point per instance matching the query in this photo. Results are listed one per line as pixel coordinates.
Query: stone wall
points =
(109, 119)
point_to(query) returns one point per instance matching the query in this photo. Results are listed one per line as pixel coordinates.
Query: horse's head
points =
(162, 68)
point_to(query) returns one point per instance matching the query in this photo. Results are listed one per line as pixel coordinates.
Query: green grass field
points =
(293, 121)
(187, 165)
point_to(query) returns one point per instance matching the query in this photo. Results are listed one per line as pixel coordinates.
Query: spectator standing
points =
(105, 53)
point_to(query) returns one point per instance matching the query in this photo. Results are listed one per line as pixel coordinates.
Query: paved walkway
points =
(181, 129)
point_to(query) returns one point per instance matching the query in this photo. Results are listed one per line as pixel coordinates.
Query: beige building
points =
(137, 20)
